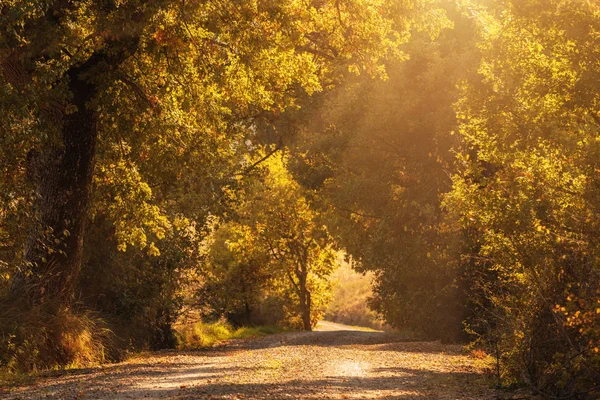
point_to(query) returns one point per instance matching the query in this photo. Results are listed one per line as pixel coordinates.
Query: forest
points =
(171, 166)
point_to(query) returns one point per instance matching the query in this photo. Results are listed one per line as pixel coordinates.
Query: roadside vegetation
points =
(202, 334)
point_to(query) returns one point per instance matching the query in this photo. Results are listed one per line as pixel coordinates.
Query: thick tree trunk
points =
(62, 176)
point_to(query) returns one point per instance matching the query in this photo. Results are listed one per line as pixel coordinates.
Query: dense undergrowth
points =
(48, 338)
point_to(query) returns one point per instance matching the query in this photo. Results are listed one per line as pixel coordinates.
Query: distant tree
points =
(349, 304)
(237, 281)
(276, 248)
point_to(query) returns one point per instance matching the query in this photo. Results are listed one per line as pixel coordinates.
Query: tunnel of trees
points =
(218, 159)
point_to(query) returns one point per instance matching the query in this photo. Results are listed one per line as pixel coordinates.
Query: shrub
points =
(46, 337)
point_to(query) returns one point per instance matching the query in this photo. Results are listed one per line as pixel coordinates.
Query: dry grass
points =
(349, 304)
(202, 334)
(46, 338)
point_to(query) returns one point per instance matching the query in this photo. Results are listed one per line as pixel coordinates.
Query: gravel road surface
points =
(336, 362)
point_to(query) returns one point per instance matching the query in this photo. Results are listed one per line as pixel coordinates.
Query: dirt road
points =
(330, 364)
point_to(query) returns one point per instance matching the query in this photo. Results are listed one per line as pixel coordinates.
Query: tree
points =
(380, 152)
(276, 247)
(238, 283)
(166, 71)
(297, 242)
(146, 92)
(526, 193)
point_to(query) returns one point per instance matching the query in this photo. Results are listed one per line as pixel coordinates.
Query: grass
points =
(49, 337)
(189, 337)
(202, 334)
(10, 377)
(257, 331)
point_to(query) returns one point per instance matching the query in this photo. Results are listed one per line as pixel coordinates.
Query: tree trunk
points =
(62, 177)
(305, 301)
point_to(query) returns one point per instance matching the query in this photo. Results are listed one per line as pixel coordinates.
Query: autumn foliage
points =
(211, 163)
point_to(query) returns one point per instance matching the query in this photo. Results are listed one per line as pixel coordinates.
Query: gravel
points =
(330, 364)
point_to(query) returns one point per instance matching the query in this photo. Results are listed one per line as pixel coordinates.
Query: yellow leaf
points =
(153, 250)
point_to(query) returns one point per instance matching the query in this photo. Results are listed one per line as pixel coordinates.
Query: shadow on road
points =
(265, 368)
(405, 383)
(375, 341)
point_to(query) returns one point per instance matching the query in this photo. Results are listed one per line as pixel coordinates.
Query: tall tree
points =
(527, 194)
(380, 154)
(167, 71)
(276, 247)
(62, 172)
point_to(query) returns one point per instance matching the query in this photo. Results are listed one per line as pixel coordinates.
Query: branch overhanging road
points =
(335, 362)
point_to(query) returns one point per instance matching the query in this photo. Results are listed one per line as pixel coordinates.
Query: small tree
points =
(278, 244)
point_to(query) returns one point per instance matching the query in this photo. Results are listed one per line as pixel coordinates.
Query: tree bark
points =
(305, 300)
(62, 177)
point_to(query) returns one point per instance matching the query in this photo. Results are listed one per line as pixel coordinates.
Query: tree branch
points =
(257, 163)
